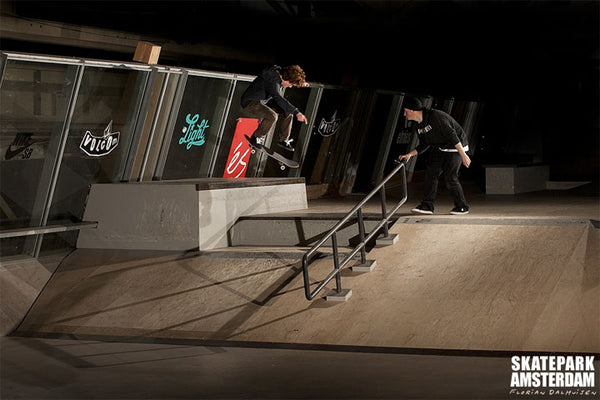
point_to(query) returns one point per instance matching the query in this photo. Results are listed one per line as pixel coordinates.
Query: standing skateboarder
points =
(447, 143)
(263, 99)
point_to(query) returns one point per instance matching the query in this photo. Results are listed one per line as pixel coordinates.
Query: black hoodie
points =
(440, 130)
(267, 87)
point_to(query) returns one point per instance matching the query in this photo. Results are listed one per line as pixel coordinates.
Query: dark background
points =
(533, 64)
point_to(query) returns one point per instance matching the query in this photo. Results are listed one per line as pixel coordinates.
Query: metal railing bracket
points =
(384, 241)
(367, 266)
(342, 295)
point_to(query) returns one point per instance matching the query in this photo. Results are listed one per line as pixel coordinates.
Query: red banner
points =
(239, 153)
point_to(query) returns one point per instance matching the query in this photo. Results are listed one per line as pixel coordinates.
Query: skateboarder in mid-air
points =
(447, 144)
(263, 100)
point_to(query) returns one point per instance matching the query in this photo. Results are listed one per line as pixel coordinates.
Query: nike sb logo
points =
(12, 153)
(21, 146)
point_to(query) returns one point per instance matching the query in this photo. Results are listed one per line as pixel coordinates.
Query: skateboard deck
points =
(283, 162)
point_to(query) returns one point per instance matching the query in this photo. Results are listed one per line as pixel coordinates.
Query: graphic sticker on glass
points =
(98, 146)
(329, 128)
(193, 133)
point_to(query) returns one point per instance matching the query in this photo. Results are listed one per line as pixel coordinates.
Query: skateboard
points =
(283, 162)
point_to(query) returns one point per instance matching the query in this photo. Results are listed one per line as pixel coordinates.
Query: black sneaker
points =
(421, 210)
(254, 141)
(460, 210)
(286, 144)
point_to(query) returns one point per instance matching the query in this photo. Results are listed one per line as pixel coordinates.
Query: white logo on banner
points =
(553, 375)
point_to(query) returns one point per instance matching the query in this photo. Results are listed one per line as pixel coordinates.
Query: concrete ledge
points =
(225, 183)
(513, 179)
(288, 230)
(178, 216)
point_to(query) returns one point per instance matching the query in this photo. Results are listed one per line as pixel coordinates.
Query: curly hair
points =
(293, 74)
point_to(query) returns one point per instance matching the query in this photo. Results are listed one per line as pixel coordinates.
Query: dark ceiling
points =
(534, 64)
(465, 46)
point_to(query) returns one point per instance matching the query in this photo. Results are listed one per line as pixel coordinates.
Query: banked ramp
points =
(467, 284)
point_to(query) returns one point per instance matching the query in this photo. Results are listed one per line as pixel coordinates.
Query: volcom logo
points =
(193, 134)
(328, 128)
(98, 146)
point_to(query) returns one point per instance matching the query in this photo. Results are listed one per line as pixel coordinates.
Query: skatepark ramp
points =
(489, 281)
(498, 284)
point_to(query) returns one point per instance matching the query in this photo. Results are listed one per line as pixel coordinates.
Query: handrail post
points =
(336, 263)
(361, 233)
(338, 294)
(386, 232)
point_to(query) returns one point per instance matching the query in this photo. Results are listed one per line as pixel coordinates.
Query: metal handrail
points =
(338, 266)
(30, 231)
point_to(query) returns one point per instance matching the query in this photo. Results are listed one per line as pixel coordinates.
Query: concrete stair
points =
(297, 231)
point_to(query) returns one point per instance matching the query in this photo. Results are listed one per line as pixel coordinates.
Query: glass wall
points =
(367, 175)
(99, 141)
(67, 124)
(196, 133)
(153, 137)
(333, 121)
(34, 103)
(227, 140)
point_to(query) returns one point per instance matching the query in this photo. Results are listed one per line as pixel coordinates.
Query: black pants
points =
(268, 116)
(449, 164)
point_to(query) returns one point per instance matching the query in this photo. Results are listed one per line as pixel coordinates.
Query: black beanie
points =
(413, 103)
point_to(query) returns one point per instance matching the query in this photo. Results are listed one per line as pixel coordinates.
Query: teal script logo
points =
(193, 133)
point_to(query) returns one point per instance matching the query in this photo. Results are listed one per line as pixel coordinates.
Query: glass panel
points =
(377, 130)
(405, 139)
(235, 112)
(34, 98)
(332, 122)
(100, 135)
(195, 135)
(152, 151)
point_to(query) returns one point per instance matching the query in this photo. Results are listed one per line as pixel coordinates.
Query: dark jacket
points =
(267, 87)
(441, 131)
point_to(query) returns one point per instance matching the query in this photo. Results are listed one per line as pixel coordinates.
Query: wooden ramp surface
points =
(442, 286)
